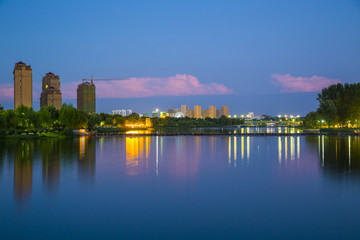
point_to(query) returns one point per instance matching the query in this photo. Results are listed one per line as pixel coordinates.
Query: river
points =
(181, 187)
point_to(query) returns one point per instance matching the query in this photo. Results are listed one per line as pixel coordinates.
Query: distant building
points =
(205, 113)
(162, 114)
(225, 111)
(121, 112)
(217, 113)
(145, 114)
(185, 109)
(212, 111)
(171, 113)
(179, 115)
(177, 110)
(129, 112)
(191, 113)
(155, 114)
(197, 111)
(86, 97)
(51, 94)
(22, 85)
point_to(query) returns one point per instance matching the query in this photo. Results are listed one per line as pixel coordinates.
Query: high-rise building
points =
(225, 111)
(205, 113)
(185, 109)
(121, 112)
(22, 85)
(171, 112)
(51, 94)
(197, 111)
(177, 110)
(86, 97)
(155, 114)
(217, 113)
(212, 111)
(191, 113)
(129, 112)
(162, 114)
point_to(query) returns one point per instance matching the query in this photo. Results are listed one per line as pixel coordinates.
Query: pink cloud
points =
(6, 91)
(179, 85)
(290, 83)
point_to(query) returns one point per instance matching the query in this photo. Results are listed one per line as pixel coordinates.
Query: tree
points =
(82, 119)
(328, 111)
(68, 116)
(45, 119)
(93, 120)
(312, 119)
(134, 117)
(12, 119)
(26, 117)
(3, 121)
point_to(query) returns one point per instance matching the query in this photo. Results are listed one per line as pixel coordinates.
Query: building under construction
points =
(51, 95)
(86, 97)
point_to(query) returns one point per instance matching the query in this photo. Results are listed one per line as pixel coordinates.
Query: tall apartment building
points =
(212, 111)
(225, 111)
(218, 113)
(205, 113)
(191, 113)
(185, 109)
(197, 111)
(86, 97)
(22, 85)
(51, 94)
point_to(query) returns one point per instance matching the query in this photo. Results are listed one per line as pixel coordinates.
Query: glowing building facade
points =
(51, 94)
(197, 111)
(22, 85)
(225, 111)
(212, 111)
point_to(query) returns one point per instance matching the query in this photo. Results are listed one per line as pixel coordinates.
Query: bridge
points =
(268, 117)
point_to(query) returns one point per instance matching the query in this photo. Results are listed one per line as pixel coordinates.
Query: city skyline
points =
(250, 56)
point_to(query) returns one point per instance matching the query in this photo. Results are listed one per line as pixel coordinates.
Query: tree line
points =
(196, 122)
(69, 117)
(339, 105)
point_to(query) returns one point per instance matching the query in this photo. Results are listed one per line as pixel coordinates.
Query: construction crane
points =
(105, 79)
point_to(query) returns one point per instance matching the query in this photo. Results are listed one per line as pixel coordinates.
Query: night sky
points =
(268, 57)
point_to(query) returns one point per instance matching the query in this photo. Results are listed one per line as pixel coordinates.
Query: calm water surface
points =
(184, 187)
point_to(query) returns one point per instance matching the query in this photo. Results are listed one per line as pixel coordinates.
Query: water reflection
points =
(294, 143)
(137, 154)
(50, 164)
(23, 163)
(87, 159)
(174, 157)
(339, 156)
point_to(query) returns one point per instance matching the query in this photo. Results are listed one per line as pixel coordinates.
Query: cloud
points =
(290, 83)
(179, 85)
(6, 91)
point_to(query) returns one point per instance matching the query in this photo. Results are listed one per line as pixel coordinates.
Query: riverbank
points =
(24, 136)
(226, 134)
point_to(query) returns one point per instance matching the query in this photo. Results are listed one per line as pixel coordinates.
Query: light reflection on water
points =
(138, 153)
(233, 166)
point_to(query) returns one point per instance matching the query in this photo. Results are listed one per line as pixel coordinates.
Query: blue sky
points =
(240, 45)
